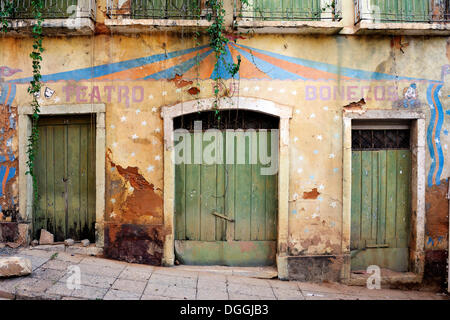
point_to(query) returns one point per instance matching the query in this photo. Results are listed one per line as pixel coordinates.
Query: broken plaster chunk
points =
(85, 242)
(46, 237)
(69, 242)
(14, 266)
(34, 243)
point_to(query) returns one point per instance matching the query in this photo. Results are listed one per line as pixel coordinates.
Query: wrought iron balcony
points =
(157, 9)
(385, 11)
(53, 9)
(288, 10)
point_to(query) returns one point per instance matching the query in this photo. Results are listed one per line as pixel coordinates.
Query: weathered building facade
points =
(356, 91)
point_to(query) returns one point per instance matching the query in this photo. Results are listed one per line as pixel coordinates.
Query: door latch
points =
(222, 216)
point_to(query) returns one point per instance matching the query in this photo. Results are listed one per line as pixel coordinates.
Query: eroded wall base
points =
(317, 268)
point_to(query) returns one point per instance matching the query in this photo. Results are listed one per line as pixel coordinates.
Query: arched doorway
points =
(283, 113)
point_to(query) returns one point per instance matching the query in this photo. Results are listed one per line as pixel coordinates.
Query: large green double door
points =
(65, 175)
(226, 213)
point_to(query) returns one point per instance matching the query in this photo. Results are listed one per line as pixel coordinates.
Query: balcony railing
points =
(53, 9)
(425, 11)
(157, 9)
(289, 10)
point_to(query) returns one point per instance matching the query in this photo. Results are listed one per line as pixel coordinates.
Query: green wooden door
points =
(381, 209)
(165, 9)
(52, 9)
(401, 10)
(225, 214)
(287, 9)
(65, 173)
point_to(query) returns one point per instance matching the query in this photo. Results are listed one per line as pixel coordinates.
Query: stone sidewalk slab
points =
(115, 280)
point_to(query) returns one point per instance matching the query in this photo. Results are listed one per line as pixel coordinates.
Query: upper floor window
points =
(403, 10)
(289, 10)
(53, 9)
(157, 9)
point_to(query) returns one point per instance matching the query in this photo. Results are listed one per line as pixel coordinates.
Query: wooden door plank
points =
(374, 215)
(208, 185)
(381, 231)
(403, 197)
(231, 183)
(50, 177)
(221, 190)
(60, 175)
(258, 196)
(73, 182)
(356, 201)
(192, 198)
(366, 195)
(271, 198)
(243, 194)
(391, 197)
(180, 202)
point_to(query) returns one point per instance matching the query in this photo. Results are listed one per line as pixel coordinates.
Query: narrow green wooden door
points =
(65, 173)
(381, 209)
(287, 9)
(52, 9)
(401, 10)
(225, 212)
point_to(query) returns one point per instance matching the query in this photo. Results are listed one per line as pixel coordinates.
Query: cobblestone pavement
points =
(111, 280)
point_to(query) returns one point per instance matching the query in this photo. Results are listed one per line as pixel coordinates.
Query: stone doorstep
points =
(91, 250)
(391, 280)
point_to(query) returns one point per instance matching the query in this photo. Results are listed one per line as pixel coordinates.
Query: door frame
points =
(26, 182)
(283, 112)
(418, 138)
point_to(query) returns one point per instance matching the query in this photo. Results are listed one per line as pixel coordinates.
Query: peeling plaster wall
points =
(134, 129)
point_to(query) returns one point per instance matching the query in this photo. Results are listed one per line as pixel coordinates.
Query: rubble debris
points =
(69, 242)
(34, 243)
(46, 237)
(15, 266)
(85, 242)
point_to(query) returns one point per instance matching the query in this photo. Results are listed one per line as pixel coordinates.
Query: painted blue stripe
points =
(4, 93)
(12, 95)
(429, 136)
(106, 69)
(2, 175)
(438, 134)
(220, 70)
(11, 174)
(352, 73)
(178, 69)
(272, 71)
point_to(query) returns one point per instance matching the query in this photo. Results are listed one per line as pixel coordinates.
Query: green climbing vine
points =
(218, 42)
(7, 11)
(34, 89)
